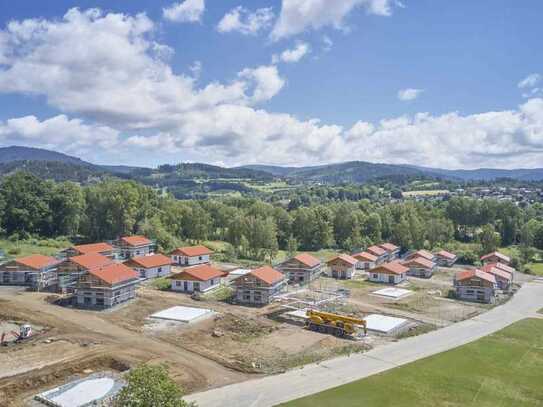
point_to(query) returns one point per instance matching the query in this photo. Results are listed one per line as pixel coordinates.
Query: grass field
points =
(536, 268)
(503, 369)
(22, 248)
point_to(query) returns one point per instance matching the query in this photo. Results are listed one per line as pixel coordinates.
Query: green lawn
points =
(536, 268)
(503, 369)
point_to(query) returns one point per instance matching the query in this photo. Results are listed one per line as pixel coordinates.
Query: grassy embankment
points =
(503, 369)
(20, 248)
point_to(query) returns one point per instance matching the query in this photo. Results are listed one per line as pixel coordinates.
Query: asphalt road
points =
(313, 378)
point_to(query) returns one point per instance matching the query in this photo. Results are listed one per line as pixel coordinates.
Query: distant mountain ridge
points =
(362, 171)
(39, 161)
(19, 153)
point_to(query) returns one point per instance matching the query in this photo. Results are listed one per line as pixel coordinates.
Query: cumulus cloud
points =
(72, 134)
(105, 70)
(246, 22)
(188, 11)
(298, 16)
(408, 94)
(265, 80)
(492, 139)
(106, 67)
(292, 55)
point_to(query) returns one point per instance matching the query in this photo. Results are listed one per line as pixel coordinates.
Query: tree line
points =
(255, 229)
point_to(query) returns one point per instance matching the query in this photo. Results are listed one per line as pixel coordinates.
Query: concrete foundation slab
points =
(391, 292)
(183, 314)
(385, 324)
(297, 314)
(89, 391)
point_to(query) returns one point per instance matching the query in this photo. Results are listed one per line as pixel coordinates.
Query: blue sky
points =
(422, 82)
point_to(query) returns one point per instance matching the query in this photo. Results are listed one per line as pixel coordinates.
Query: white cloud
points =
(188, 11)
(530, 81)
(300, 15)
(292, 55)
(72, 135)
(409, 94)
(266, 80)
(105, 68)
(246, 22)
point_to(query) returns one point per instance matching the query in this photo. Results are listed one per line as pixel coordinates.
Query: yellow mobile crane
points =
(338, 325)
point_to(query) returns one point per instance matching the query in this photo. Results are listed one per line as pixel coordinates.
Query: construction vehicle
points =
(25, 332)
(335, 324)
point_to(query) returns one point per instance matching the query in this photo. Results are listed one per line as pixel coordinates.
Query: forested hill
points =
(55, 170)
(357, 172)
(19, 153)
(361, 172)
(187, 176)
(61, 167)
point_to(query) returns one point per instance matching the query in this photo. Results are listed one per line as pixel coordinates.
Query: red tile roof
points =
(393, 267)
(114, 273)
(446, 254)
(467, 274)
(498, 255)
(37, 261)
(376, 250)
(93, 248)
(365, 256)
(420, 261)
(389, 247)
(267, 274)
(203, 272)
(422, 253)
(91, 260)
(155, 260)
(192, 251)
(492, 269)
(504, 267)
(135, 240)
(307, 260)
(344, 258)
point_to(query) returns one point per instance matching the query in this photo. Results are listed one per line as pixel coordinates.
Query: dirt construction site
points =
(234, 344)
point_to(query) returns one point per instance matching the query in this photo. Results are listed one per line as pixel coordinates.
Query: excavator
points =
(335, 324)
(25, 332)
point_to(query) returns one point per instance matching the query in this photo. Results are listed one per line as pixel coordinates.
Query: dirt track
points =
(83, 340)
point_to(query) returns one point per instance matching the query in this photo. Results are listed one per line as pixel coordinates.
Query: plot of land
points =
(503, 369)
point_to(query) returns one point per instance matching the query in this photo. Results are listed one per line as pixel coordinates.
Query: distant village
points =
(518, 195)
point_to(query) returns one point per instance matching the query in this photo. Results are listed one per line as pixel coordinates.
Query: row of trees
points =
(255, 229)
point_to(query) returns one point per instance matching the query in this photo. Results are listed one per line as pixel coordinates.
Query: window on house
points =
(200, 258)
(196, 286)
(160, 269)
(375, 275)
(99, 301)
(186, 286)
